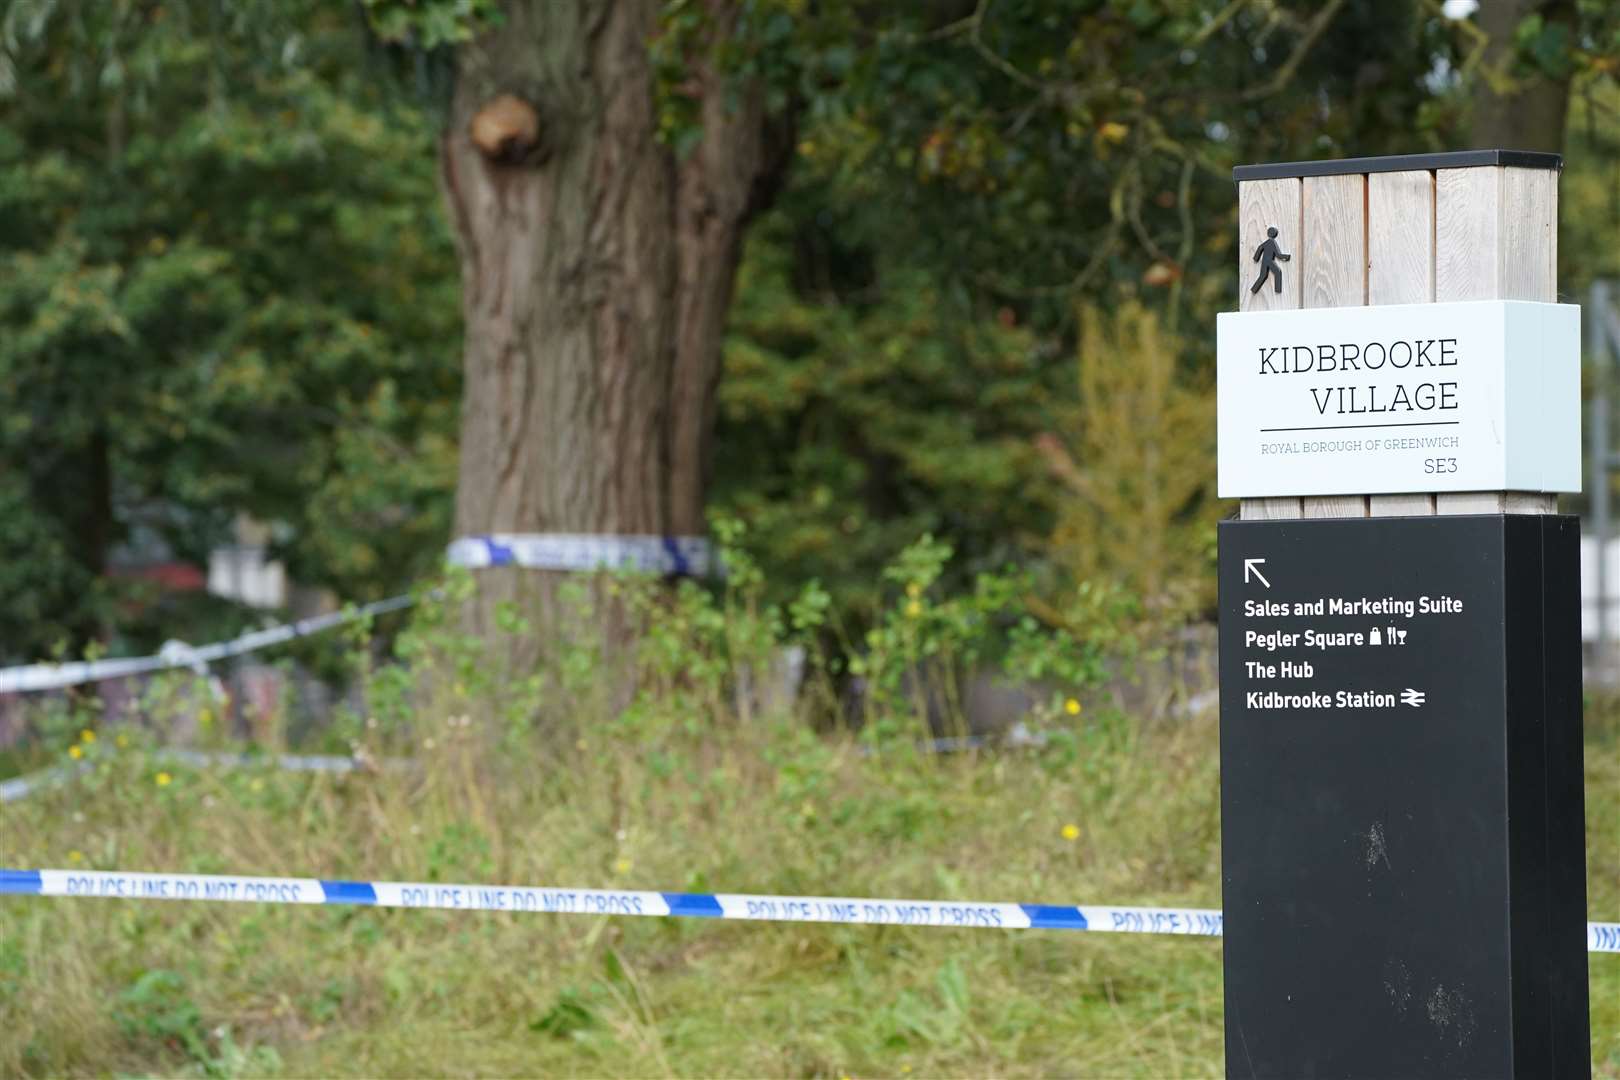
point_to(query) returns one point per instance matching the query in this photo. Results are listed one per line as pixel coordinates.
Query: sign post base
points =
(1401, 798)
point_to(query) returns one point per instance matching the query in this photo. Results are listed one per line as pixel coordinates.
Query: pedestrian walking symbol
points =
(1267, 255)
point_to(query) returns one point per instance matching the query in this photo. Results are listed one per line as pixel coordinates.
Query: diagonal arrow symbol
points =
(1252, 566)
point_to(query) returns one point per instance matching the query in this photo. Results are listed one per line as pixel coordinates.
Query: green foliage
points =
(225, 285)
(913, 658)
(568, 1017)
(643, 797)
(1037, 153)
(1589, 190)
(431, 24)
(224, 288)
(967, 178)
(854, 416)
(1582, 40)
(1140, 507)
(157, 1008)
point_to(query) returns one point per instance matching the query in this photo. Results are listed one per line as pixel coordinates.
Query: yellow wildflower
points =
(1072, 707)
(163, 779)
(87, 736)
(1071, 831)
(122, 741)
(75, 753)
(914, 609)
(75, 856)
(622, 866)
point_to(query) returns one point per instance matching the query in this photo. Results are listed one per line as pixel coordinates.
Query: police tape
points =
(562, 901)
(177, 654)
(675, 555)
(683, 556)
(955, 914)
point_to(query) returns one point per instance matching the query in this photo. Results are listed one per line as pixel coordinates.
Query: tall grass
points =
(692, 786)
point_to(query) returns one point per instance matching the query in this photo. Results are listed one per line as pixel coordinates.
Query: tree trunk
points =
(596, 273)
(1516, 110)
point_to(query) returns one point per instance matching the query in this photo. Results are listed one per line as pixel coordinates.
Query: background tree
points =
(227, 275)
(222, 290)
(598, 245)
(967, 178)
(1521, 89)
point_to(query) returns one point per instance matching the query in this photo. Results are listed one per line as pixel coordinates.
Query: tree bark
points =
(1513, 110)
(596, 273)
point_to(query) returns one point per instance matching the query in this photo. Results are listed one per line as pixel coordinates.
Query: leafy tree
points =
(1139, 503)
(599, 227)
(225, 283)
(1527, 57)
(1589, 191)
(1038, 152)
(856, 414)
(967, 177)
(221, 290)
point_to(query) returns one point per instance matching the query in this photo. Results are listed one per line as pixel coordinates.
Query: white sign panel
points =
(1477, 396)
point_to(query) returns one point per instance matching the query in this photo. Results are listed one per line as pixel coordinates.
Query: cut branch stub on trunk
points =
(507, 131)
(595, 282)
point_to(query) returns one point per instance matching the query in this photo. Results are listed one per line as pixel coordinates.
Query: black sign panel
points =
(1402, 842)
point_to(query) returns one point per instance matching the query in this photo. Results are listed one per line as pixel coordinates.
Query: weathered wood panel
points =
(1334, 244)
(1478, 233)
(1333, 273)
(1529, 253)
(1400, 270)
(1400, 238)
(1467, 233)
(1496, 238)
(1264, 204)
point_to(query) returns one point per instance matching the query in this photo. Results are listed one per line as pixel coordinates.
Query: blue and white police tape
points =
(956, 914)
(177, 654)
(547, 900)
(685, 556)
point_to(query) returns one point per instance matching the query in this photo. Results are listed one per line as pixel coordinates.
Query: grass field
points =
(113, 987)
(678, 792)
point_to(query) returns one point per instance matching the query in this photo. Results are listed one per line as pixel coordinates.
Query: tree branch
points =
(1285, 73)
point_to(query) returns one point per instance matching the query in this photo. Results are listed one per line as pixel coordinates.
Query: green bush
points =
(539, 778)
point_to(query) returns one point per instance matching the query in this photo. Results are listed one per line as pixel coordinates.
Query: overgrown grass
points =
(101, 987)
(675, 792)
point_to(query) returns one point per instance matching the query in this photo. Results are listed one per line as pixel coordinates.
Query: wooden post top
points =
(1398, 229)
(1360, 166)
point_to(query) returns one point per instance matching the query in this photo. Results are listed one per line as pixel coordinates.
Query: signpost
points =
(1475, 396)
(1402, 836)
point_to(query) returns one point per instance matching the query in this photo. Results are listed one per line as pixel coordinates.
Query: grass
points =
(773, 809)
(676, 792)
(97, 987)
